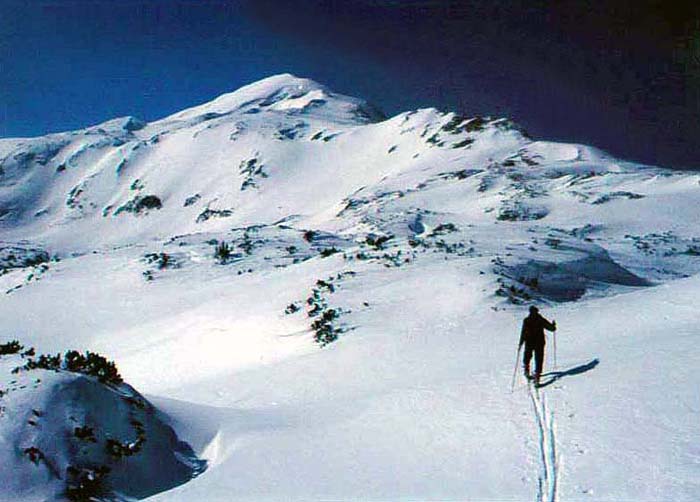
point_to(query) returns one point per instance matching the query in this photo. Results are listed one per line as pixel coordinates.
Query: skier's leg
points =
(539, 360)
(527, 356)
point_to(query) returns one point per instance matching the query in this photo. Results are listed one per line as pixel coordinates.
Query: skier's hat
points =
(533, 309)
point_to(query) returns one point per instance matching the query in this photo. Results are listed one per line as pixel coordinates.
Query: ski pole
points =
(554, 339)
(515, 370)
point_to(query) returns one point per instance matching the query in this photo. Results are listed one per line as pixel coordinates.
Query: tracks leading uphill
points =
(548, 482)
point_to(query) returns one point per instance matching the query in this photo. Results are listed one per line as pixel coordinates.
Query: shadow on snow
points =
(553, 376)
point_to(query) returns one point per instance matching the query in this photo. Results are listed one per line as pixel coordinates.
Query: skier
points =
(532, 335)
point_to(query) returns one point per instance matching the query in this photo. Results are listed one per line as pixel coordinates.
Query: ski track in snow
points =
(548, 482)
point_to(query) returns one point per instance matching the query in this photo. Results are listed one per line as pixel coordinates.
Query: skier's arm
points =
(522, 335)
(549, 326)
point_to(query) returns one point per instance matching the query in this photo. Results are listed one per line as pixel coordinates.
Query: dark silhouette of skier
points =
(532, 335)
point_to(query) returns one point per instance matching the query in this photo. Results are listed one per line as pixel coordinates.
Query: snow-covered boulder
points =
(68, 435)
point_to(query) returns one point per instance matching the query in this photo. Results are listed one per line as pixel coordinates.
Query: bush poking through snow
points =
(139, 204)
(161, 259)
(325, 331)
(518, 211)
(94, 365)
(12, 347)
(213, 213)
(325, 253)
(442, 229)
(148, 202)
(292, 308)
(90, 364)
(87, 484)
(192, 200)
(377, 241)
(85, 433)
(222, 252)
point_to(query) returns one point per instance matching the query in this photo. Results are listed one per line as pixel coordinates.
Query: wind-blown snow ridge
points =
(212, 254)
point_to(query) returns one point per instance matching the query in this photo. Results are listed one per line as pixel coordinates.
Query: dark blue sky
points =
(624, 76)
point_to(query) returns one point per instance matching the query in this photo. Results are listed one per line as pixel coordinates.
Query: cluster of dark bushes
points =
(518, 211)
(514, 294)
(12, 347)
(223, 251)
(325, 331)
(323, 326)
(377, 241)
(326, 252)
(372, 248)
(247, 244)
(443, 228)
(90, 363)
(85, 433)
(139, 204)
(162, 260)
(213, 213)
(118, 449)
(665, 244)
(147, 202)
(251, 169)
(87, 483)
(12, 257)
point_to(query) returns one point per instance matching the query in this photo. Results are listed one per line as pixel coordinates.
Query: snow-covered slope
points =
(326, 302)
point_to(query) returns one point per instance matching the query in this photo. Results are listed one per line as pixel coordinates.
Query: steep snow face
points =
(301, 283)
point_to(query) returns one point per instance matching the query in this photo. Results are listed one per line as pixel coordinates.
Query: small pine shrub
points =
(85, 433)
(86, 483)
(148, 202)
(325, 253)
(120, 450)
(292, 308)
(222, 252)
(443, 228)
(45, 362)
(325, 285)
(35, 454)
(92, 364)
(12, 347)
(325, 331)
(377, 241)
(163, 260)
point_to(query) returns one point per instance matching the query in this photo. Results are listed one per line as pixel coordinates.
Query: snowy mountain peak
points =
(289, 94)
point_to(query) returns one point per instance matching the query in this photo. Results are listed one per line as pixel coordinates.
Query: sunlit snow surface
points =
(413, 401)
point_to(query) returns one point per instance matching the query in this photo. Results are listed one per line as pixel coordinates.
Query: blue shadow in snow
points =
(553, 376)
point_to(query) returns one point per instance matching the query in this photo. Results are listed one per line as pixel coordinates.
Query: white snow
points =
(413, 400)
